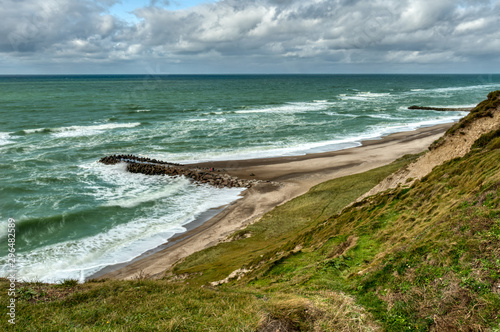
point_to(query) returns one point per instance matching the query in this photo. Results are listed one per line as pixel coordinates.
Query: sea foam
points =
(75, 131)
(166, 205)
(294, 107)
(5, 138)
(365, 96)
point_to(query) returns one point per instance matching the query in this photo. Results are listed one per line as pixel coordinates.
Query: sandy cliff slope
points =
(455, 143)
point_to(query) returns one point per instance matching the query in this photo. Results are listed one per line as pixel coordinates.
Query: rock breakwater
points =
(441, 109)
(209, 175)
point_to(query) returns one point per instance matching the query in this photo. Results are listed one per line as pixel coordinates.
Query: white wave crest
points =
(459, 88)
(129, 190)
(365, 96)
(297, 107)
(36, 130)
(75, 131)
(171, 204)
(5, 138)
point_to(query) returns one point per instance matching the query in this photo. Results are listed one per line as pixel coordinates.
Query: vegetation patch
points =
(425, 258)
(283, 229)
(490, 140)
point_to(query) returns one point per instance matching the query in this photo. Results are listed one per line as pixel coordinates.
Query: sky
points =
(249, 36)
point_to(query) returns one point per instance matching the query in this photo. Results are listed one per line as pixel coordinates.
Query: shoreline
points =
(192, 227)
(287, 177)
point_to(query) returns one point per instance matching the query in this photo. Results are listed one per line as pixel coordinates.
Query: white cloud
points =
(470, 26)
(420, 58)
(230, 34)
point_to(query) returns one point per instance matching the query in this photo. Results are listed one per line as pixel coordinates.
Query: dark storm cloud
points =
(308, 33)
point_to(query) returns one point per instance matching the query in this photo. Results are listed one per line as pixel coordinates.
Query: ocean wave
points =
(365, 96)
(127, 190)
(382, 116)
(80, 258)
(216, 120)
(5, 138)
(197, 120)
(294, 107)
(330, 113)
(394, 123)
(75, 131)
(458, 88)
(378, 131)
(140, 111)
(217, 113)
(34, 131)
(143, 213)
(77, 259)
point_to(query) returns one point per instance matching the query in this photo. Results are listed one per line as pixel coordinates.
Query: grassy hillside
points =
(180, 304)
(280, 226)
(421, 258)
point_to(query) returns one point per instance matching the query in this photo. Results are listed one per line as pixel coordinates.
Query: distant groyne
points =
(441, 109)
(215, 177)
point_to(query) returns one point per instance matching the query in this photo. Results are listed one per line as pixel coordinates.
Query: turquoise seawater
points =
(75, 216)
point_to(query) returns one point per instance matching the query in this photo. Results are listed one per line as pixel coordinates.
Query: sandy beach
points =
(283, 179)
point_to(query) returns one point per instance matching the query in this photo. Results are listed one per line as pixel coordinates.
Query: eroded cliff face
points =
(455, 143)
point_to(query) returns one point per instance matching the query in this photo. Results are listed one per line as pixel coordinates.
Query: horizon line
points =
(244, 74)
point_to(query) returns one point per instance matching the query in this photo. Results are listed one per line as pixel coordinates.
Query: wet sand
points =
(288, 178)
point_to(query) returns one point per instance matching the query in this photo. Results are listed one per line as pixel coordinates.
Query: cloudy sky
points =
(249, 36)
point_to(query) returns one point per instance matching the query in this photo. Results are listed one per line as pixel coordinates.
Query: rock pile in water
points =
(128, 158)
(441, 109)
(211, 176)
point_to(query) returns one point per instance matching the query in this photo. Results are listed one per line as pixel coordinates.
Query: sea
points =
(74, 216)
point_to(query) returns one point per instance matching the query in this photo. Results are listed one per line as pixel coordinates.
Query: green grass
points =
(141, 305)
(279, 228)
(418, 258)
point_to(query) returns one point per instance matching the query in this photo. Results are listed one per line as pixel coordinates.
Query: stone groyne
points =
(211, 176)
(441, 109)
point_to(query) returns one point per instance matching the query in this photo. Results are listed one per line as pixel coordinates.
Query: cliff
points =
(457, 141)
